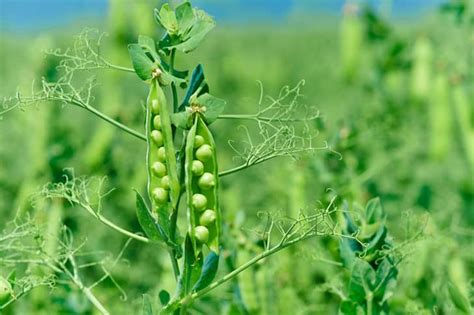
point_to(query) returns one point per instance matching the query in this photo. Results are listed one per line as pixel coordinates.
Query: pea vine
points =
(181, 162)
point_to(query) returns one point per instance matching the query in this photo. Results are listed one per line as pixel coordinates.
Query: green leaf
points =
(347, 254)
(185, 17)
(164, 297)
(181, 74)
(197, 78)
(166, 78)
(147, 307)
(167, 19)
(146, 220)
(386, 275)
(142, 64)
(183, 120)
(209, 271)
(459, 299)
(348, 308)
(189, 31)
(214, 107)
(11, 278)
(192, 266)
(362, 280)
(148, 44)
(196, 35)
(374, 211)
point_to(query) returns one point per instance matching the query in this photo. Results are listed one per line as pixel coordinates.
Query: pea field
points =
(162, 161)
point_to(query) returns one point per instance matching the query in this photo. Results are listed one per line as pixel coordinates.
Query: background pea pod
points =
(163, 185)
(202, 184)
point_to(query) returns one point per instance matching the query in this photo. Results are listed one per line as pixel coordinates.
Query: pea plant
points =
(181, 163)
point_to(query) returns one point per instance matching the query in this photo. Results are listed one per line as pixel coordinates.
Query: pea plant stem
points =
(116, 67)
(109, 120)
(281, 245)
(174, 263)
(62, 268)
(112, 225)
(257, 117)
(174, 215)
(173, 86)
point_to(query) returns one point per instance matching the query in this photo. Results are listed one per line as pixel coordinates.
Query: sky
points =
(32, 16)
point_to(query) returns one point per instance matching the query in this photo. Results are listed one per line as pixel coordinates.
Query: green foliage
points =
(368, 258)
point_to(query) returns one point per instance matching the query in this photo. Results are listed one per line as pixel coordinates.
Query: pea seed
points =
(158, 169)
(161, 154)
(201, 233)
(157, 122)
(6, 289)
(199, 201)
(204, 153)
(155, 107)
(160, 195)
(206, 181)
(157, 137)
(197, 168)
(198, 141)
(165, 182)
(207, 217)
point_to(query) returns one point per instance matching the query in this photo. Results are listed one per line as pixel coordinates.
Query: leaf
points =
(166, 78)
(348, 308)
(377, 242)
(185, 16)
(192, 266)
(386, 275)
(374, 211)
(196, 35)
(346, 252)
(147, 222)
(11, 278)
(197, 78)
(167, 19)
(214, 107)
(147, 307)
(164, 297)
(142, 64)
(362, 280)
(182, 74)
(459, 299)
(148, 44)
(350, 226)
(183, 120)
(209, 271)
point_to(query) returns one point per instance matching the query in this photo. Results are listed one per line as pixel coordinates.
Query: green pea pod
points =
(163, 185)
(202, 184)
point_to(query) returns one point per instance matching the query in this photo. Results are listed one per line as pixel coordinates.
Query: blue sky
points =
(37, 15)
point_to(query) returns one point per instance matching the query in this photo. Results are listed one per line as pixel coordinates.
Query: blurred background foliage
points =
(396, 98)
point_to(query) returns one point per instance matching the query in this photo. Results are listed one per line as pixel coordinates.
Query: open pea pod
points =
(202, 184)
(163, 185)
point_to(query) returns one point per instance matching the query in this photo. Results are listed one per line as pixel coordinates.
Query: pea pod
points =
(202, 184)
(163, 185)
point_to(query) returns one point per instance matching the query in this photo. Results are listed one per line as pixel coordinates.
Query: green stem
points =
(112, 225)
(174, 215)
(109, 120)
(257, 117)
(233, 170)
(238, 116)
(173, 86)
(193, 296)
(125, 69)
(174, 263)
